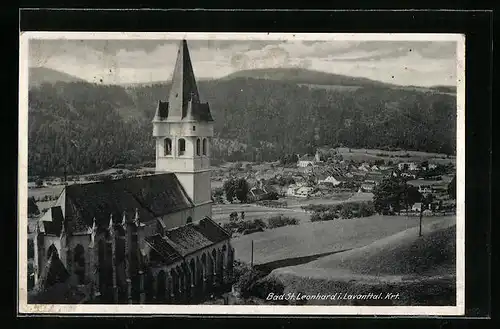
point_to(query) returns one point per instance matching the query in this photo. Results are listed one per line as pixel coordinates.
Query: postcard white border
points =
(110, 310)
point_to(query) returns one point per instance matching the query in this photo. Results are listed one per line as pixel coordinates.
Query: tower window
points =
(168, 146)
(194, 128)
(198, 146)
(205, 146)
(182, 146)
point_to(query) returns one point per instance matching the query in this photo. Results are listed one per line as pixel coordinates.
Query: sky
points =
(418, 63)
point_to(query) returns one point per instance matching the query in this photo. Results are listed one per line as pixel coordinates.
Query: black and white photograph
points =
(180, 173)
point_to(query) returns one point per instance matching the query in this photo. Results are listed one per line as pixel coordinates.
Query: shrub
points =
(249, 226)
(263, 287)
(272, 203)
(344, 210)
(323, 216)
(280, 220)
(245, 282)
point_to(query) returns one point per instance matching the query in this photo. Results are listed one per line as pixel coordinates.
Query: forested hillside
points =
(255, 119)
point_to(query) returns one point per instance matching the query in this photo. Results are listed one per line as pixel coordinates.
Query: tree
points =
(242, 190)
(230, 189)
(411, 196)
(388, 194)
(452, 188)
(39, 183)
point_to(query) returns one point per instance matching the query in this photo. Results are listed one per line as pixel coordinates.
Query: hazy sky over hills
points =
(422, 63)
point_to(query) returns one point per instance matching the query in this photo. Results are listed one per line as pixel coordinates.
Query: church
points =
(147, 239)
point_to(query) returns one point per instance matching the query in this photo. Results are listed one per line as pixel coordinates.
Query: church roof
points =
(153, 196)
(184, 99)
(163, 248)
(182, 241)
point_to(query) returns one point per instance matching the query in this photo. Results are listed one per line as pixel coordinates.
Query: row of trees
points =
(395, 194)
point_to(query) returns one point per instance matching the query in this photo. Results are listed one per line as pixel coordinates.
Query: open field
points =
(445, 180)
(44, 191)
(395, 156)
(311, 238)
(421, 269)
(220, 213)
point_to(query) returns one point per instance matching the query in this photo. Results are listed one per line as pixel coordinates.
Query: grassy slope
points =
(422, 269)
(320, 237)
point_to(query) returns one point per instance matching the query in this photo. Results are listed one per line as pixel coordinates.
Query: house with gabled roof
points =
(144, 239)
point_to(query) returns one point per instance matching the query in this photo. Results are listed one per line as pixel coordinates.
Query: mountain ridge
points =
(316, 78)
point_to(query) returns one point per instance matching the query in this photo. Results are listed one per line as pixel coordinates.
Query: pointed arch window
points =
(167, 146)
(182, 146)
(205, 146)
(198, 146)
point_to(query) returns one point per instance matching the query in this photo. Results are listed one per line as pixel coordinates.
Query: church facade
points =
(146, 239)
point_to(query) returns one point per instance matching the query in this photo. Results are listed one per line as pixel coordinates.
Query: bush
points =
(321, 216)
(246, 278)
(280, 220)
(263, 287)
(249, 226)
(272, 203)
(345, 210)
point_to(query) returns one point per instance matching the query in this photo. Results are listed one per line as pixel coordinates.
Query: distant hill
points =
(39, 75)
(265, 118)
(304, 76)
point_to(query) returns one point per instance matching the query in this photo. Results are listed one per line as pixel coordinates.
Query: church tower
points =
(183, 129)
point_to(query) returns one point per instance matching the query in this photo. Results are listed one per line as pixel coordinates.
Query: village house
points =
(145, 239)
(364, 167)
(411, 166)
(330, 179)
(417, 206)
(306, 161)
(367, 186)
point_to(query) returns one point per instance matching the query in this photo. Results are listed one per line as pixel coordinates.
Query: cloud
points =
(125, 61)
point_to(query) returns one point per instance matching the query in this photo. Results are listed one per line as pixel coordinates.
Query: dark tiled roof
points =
(52, 221)
(201, 112)
(188, 239)
(193, 237)
(163, 248)
(153, 196)
(182, 241)
(212, 230)
(53, 273)
(161, 110)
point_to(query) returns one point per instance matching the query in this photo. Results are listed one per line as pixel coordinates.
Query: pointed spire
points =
(184, 92)
(184, 86)
(93, 233)
(124, 220)
(110, 226)
(136, 217)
